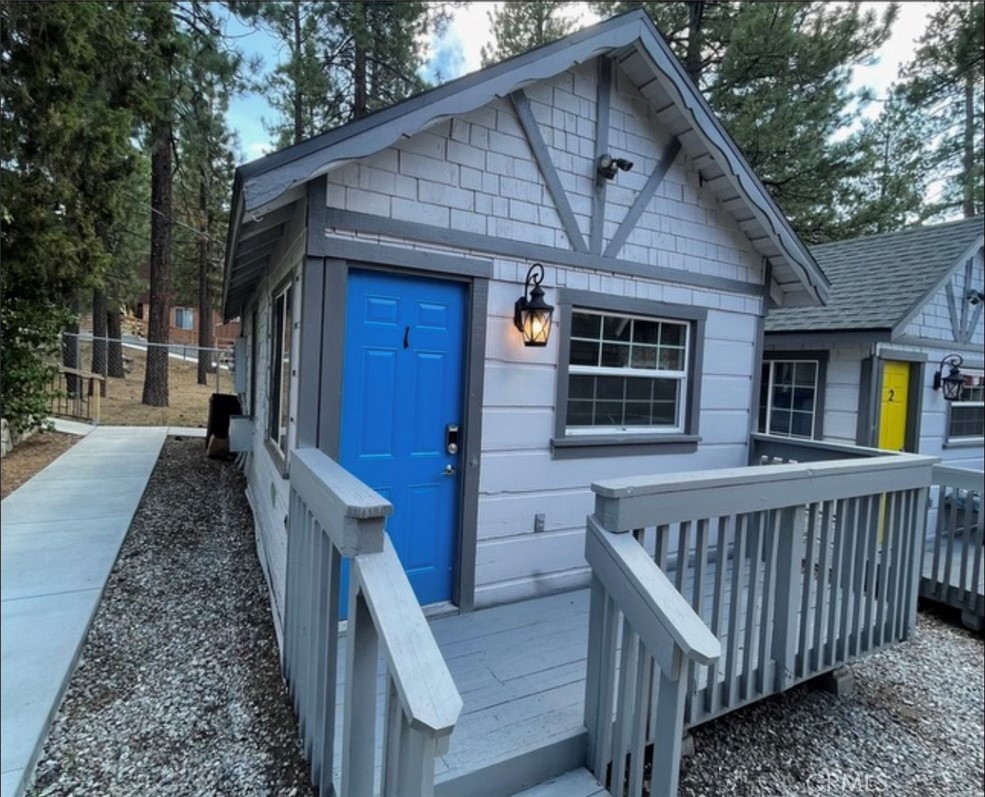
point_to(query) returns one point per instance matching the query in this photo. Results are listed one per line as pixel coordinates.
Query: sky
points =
(458, 51)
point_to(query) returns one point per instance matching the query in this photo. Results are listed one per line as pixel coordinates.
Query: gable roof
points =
(880, 281)
(636, 46)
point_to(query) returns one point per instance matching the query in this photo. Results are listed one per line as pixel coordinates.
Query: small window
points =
(280, 366)
(626, 373)
(788, 398)
(966, 417)
(184, 318)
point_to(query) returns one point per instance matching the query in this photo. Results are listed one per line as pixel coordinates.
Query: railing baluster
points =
(697, 603)
(965, 513)
(766, 673)
(948, 539)
(603, 745)
(821, 607)
(667, 743)
(625, 706)
(392, 733)
(940, 524)
(642, 694)
(850, 531)
(359, 738)
(810, 588)
(738, 566)
(752, 598)
(837, 551)
(713, 693)
(790, 529)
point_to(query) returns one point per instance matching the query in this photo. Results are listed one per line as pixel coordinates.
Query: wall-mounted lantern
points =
(953, 383)
(531, 314)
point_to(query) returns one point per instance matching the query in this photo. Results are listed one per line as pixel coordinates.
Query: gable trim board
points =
(632, 40)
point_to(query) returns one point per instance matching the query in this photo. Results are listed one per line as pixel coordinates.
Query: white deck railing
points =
(333, 515)
(953, 568)
(795, 569)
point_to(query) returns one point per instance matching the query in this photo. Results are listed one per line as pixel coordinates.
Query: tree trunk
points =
(99, 365)
(359, 99)
(298, 77)
(114, 331)
(692, 59)
(206, 340)
(156, 377)
(968, 157)
(71, 356)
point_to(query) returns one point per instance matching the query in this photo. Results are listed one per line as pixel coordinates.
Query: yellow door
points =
(892, 409)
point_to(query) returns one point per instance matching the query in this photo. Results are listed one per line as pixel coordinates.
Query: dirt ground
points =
(31, 456)
(188, 401)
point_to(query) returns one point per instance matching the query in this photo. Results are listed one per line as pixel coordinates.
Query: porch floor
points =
(520, 669)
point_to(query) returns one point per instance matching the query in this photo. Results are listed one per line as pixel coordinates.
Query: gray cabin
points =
(862, 368)
(548, 533)
(658, 275)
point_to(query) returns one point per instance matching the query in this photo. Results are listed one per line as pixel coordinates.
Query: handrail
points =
(427, 692)
(762, 444)
(351, 513)
(645, 595)
(962, 478)
(626, 504)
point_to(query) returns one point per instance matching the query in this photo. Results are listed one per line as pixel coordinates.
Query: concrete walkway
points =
(60, 534)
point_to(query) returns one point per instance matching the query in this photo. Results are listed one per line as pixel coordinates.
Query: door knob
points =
(448, 471)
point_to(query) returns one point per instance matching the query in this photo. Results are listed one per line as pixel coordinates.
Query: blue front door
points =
(401, 404)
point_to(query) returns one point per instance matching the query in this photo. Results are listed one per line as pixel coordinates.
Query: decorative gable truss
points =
(963, 294)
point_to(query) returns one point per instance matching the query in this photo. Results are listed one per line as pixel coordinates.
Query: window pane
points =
(646, 331)
(671, 334)
(644, 356)
(639, 389)
(664, 413)
(581, 387)
(608, 413)
(637, 413)
(616, 328)
(806, 374)
(580, 413)
(783, 373)
(615, 355)
(584, 352)
(782, 397)
(967, 420)
(672, 359)
(780, 422)
(800, 424)
(585, 325)
(665, 389)
(803, 399)
(610, 387)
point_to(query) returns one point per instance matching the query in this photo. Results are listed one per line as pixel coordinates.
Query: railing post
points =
(670, 728)
(359, 727)
(790, 555)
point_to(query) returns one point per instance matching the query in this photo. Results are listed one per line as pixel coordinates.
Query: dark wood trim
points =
(333, 334)
(602, 111)
(643, 199)
(476, 242)
(543, 157)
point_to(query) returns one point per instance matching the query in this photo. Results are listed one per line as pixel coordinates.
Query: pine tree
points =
(66, 124)
(944, 83)
(521, 26)
(778, 75)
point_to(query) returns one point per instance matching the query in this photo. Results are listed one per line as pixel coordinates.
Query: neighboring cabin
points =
(861, 370)
(376, 267)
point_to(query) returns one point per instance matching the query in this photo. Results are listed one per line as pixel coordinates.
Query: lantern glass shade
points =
(952, 385)
(533, 316)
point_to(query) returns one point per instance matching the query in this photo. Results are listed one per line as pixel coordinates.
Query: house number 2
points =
(892, 394)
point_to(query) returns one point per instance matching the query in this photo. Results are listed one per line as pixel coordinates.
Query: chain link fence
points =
(141, 383)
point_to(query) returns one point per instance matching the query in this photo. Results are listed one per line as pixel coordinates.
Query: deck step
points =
(576, 783)
(512, 773)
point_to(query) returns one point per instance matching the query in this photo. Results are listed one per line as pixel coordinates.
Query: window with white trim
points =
(788, 398)
(281, 326)
(626, 373)
(966, 417)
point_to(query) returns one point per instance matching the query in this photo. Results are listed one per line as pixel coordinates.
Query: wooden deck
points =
(520, 669)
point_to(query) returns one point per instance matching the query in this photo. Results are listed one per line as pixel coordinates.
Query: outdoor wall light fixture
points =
(531, 314)
(608, 165)
(953, 383)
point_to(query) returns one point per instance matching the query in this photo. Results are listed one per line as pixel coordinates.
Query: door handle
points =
(448, 471)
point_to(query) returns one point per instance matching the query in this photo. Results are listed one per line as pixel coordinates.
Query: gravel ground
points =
(915, 725)
(179, 693)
